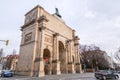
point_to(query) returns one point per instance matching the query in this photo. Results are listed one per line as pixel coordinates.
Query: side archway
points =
(46, 57)
(62, 57)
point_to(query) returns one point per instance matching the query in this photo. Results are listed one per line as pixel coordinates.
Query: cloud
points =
(117, 22)
(90, 14)
(95, 21)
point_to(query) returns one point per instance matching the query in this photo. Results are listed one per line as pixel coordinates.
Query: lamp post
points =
(88, 63)
(97, 66)
(84, 67)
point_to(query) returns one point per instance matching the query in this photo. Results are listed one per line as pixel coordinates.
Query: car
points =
(106, 74)
(7, 73)
(118, 72)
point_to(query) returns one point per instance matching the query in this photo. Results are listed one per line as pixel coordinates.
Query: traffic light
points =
(7, 42)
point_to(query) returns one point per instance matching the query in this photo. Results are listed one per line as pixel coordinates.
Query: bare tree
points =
(93, 57)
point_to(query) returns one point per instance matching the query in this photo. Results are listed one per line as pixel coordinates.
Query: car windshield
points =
(105, 71)
(7, 71)
(109, 72)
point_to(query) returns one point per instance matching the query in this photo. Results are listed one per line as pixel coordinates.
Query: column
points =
(32, 73)
(41, 63)
(56, 62)
(78, 64)
(50, 72)
(66, 54)
(70, 61)
(42, 27)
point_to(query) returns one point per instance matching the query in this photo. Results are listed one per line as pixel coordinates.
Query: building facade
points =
(48, 45)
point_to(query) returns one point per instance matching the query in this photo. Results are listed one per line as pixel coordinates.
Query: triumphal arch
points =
(48, 45)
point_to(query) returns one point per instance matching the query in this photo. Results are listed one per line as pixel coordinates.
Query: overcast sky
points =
(95, 21)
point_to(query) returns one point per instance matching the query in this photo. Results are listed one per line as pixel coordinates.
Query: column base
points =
(41, 69)
(71, 67)
(78, 68)
(56, 67)
(41, 74)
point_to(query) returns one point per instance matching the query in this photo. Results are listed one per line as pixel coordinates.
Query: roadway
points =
(82, 76)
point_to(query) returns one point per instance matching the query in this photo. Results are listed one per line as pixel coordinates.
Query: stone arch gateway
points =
(47, 45)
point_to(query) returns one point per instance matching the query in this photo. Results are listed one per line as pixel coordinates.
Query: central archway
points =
(46, 57)
(62, 57)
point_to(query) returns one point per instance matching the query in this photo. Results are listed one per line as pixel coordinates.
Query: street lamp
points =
(84, 67)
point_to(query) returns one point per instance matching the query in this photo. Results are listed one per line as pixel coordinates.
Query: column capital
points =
(70, 62)
(42, 28)
(78, 63)
(69, 40)
(56, 34)
(42, 18)
(76, 38)
(55, 61)
(76, 44)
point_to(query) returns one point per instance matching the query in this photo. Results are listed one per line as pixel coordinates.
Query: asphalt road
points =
(47, 79)
(83, 76)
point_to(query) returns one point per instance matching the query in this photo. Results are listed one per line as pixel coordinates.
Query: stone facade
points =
(48, 45)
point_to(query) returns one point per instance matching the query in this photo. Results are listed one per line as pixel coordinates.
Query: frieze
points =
(28, 37)
(48, 39)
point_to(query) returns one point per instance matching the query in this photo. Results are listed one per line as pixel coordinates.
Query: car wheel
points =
(116, 77)
(11, 75)
(104, 78)
(100, 78)
(2, 75)
(97, 77)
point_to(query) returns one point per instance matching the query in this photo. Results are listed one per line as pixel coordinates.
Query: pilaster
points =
(78, 68)
(71, 67)
(56, 62)
(78, 63)
(42, 23)
(35, 48)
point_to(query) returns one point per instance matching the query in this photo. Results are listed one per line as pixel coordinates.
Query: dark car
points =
(118, 72)
(7, 73)
(106, 74)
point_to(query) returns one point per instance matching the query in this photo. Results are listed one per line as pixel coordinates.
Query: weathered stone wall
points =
(41, 31)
